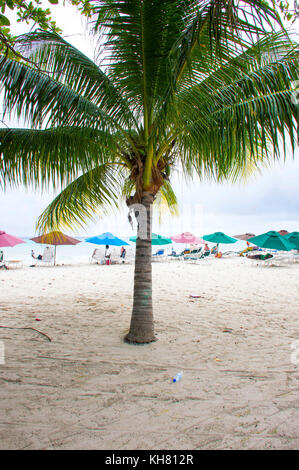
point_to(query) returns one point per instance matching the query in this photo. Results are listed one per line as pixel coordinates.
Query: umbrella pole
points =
(55, 256)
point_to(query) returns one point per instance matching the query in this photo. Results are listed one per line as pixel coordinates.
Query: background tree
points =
(33, 13)
(200, 85)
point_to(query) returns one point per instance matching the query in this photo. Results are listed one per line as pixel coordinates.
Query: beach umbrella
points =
(272, 240)
(219, 237)
(9, 240)
(106, 238)
(293, 237)
(283, 232)
(156, 240)
(55, 238)
(244, 236)
(187, 237)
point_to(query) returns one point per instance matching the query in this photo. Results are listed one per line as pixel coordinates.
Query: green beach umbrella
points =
(219, 237)
(293, 237)
(156, 240)
(273, 240)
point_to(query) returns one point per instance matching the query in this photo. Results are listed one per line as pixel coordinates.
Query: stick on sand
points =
(26, 328)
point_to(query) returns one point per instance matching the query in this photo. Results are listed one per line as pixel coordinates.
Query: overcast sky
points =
(267, 201)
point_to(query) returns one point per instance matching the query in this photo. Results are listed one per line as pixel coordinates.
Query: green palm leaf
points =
(65, 63)
(53, 156)
(86, 198)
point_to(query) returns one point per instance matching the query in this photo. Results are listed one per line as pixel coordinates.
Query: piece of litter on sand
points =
(217, 359)
(227, 330)
(195, 296)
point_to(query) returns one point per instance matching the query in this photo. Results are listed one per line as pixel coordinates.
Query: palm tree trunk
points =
(142, 321)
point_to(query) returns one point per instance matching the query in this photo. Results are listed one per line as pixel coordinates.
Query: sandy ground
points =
(87, 389)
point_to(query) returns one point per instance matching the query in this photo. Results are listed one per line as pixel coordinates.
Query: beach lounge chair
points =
(13, 263)
(179, 256)
(194, 255)
(279, 259)
(47, 256)
(230, 254)
(159, 253)
(97, 256)
(200, 256)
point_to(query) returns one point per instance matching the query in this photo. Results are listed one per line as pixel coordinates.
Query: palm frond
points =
(85, 199)
(55, 156)
(166, 202)
(66, 64)
(242, 110)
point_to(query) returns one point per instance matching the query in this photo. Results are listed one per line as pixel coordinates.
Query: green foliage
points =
(25, 12)
(289, 9)
(33, 13)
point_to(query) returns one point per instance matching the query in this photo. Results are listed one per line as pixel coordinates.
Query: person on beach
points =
(260, 256)
(206, 250)
(2, 263)
(107, 252)
(122, 252)
(214, 250)
(35, 257)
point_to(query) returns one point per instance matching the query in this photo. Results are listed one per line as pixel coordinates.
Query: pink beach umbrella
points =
(9, 240)
(187, 238)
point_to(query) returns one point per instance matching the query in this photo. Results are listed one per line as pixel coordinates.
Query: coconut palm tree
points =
(200, 85)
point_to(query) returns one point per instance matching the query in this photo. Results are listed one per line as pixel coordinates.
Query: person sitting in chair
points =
(35, 257)
(2, 263)
(206, 250)
(214, 250)
(123, 252)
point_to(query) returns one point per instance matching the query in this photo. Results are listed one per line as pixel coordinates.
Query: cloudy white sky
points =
(267, 201)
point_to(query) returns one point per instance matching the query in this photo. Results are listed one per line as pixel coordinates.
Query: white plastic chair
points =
(97, 256)
(281, 259)
(47, 256)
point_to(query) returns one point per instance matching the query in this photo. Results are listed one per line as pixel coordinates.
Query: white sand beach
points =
(87, 389)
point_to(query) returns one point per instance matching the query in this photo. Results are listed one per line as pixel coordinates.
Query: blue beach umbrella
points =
(106, 238)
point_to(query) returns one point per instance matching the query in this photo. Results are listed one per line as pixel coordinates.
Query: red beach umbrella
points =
(244, 236)
(55, 238)
(9, 240)
(283, 232)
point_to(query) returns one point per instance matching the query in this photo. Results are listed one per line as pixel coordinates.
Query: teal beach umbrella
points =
(156, 240)
(293, 237)
(272, 240)
(219, 237)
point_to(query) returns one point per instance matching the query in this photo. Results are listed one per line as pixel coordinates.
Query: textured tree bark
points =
(142, 321)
